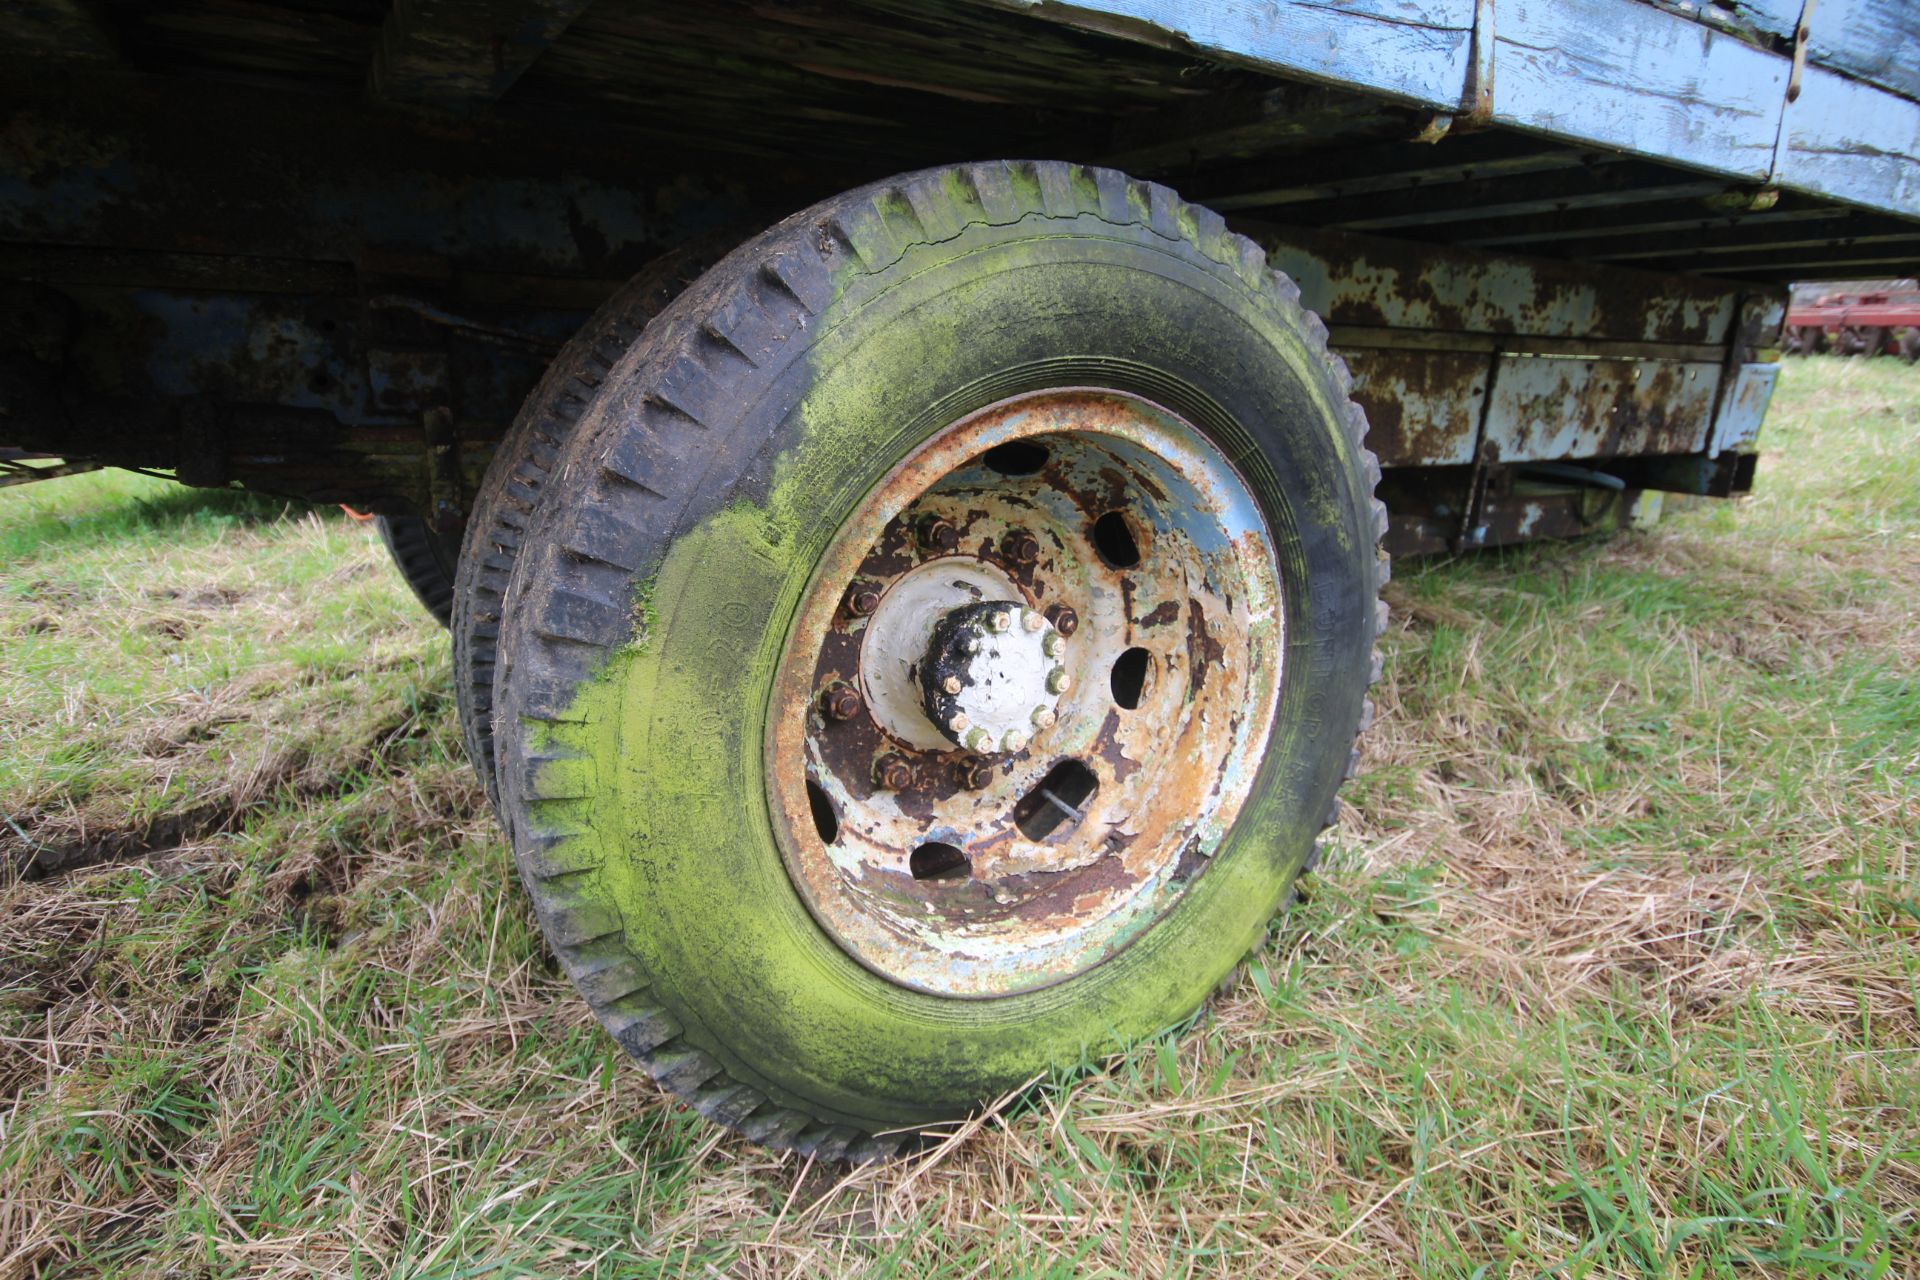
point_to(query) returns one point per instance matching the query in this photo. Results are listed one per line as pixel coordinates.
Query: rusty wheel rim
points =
(1026, 693)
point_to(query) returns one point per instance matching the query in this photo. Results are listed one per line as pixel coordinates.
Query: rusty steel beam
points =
(463, 55)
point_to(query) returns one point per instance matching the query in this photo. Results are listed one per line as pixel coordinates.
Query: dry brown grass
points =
(1611, 971)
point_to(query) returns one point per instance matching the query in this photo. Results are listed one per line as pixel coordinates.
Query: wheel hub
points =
(992, 676)
(1026, 695)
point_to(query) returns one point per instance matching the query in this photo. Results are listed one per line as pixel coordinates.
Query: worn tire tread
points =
(627, 495)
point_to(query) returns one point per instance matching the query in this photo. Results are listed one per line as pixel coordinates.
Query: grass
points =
(1611, 969)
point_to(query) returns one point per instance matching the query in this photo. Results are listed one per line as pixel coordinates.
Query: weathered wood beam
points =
(1297, 179)
(1582, 230)
(1743, 241)
(1598, 185)
(75, 30)
(462, 55)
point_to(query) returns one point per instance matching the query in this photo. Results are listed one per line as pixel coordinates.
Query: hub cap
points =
(1026, 694)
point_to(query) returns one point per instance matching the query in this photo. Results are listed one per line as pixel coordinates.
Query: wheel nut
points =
(893, 773)
(1020, 547)
(974, 774)
(1043, 717)
(841, 702)
(1058, 680)
(862, 599)
(938, 535)
(1064, 620)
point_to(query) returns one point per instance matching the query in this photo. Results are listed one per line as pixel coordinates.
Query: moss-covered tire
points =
(426, 560)
(521, 466)
(658, 588)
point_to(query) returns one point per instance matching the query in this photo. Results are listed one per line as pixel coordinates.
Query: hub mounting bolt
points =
(893, 773)
(1015, 741)
(951, 684)
(1064, 620)
(1002, 621)
(978, 740)
(1059, 680)
(841, 702)
(958, 722)
(1050, 644)
(862, 599)
(974, 774)
(938, 535)
(1043, 717)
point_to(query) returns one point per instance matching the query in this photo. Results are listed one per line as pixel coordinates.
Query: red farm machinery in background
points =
(1882, 322)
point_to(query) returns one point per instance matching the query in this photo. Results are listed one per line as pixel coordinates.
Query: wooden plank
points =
(1414, 50)
(1874, 40)
(1640, 79)
(1591, 185)
(459, 55)
(1330, 174)
(1846, 139)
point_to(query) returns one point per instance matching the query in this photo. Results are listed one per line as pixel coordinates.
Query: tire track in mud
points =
(36, 847)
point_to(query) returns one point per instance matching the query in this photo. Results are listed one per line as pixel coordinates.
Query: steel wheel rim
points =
(1079, 533)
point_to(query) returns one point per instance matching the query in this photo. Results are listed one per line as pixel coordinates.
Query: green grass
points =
(1611, 969)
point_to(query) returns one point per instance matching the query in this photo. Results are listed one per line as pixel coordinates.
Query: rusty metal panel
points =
(1423, 407)
(1366, 280)
(1738, 425)
(1546, 408)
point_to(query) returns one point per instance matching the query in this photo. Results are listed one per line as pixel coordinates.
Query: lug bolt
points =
(841, 702)
(1058, 680)
(1020, 547)
(974, 775)
(1002, 621)
(1064, 620)
(1014, 741)
(1043, 717)
(951, 684)
(862, 599)
(893, 773)
(939, 535)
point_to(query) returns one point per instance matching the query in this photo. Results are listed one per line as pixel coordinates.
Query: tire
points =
(427, 561)
(521, 466)
(650, 614)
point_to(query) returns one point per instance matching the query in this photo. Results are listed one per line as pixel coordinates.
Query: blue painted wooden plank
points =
(1641, 79)
(1846, 139)
(1416, 50)
(1875, 40)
